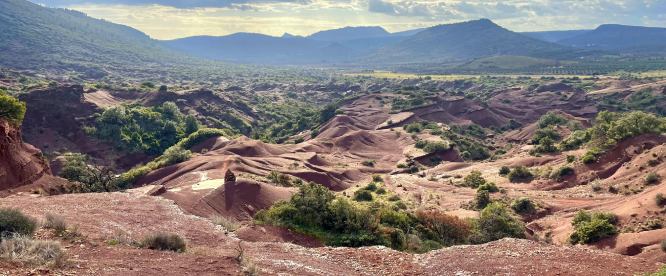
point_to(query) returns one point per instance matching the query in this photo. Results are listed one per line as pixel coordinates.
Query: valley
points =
(456, 149)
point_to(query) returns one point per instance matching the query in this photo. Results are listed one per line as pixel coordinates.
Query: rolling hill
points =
(466, 41)
(36, 37)
(621, 38)
(259, 49)
(349, 33)
(555, 36)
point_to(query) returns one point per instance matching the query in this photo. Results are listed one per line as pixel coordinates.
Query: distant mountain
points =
(408, 32)
(555, 36)
(260, 49)
(466, 41)
(36, 37)
(621, 38)
(349, 33)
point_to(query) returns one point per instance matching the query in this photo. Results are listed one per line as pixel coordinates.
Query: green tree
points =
(11, 109)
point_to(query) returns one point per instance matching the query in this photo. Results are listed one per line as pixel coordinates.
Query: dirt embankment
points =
(22, 166)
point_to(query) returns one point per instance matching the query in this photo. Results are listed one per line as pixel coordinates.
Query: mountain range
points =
(33, 36)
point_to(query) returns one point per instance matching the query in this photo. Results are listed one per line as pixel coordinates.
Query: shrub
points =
(229, 224)
(90, 178)
(489, 186)
(523, 205)
(660, 199)
(591, 156)
(165, 242)
(371, 187)
(202, 135)
(377, 178)
(11, 109)
(363, 195)
(575, 140)
(25, 250)
(652, 178)
(432, 147)
(381, 191)
(482, 199)
(504, 170)
(496, 222)
(413, 128)
(663, 245)
(571, 158)
(551, 119)
(369, 163)
(562, 172)
(279, 179)
(55, 222)
(13, 222)
(474, 179)
(520, 174)
(449, 229)
(593, 227)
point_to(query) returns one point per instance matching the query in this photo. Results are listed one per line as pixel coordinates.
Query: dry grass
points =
(60, 228)
(246, 264)
(229, 224)
(35, 252)
(165, 242)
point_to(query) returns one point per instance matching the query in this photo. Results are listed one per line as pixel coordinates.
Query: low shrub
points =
(227, 223)
(482, 199)
(660, 199)
(496, 222)
(164, 242)
(449, 229)
(377, 178)
(504, 170)
(520, 174)
(489, 186)
(652, 178)
(363, 195)
(592, 227)
(369, 163)
(279, 179)
(35, 252)
(13, 222)
(591, 156)
(474, 179)
(523, 206)
(663, 245)
(562, 172)
(56, 223)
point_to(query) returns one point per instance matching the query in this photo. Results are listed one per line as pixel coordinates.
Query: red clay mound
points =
(240, 199)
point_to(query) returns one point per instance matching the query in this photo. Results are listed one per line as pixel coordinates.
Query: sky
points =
(170, 19)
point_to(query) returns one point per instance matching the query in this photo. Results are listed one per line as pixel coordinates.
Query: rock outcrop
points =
(20, 163)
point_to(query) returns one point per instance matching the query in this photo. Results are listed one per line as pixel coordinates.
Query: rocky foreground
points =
(109, 222)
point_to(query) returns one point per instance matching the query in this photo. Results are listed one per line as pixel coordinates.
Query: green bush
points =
(562, 172)
(432, 147)
(652, 178)
(363, 195)
(551, 119)
(660, 200)
(520, 174)
(11, 109)
(496, 222)
(13, 222)
(482, 199)
(575, 140)
(489, 186)
(592, 227)
(474, 179)
(504, 170)
(591, 156)
(523, 206)
(202, 135)
(165, 242)
(377, 178)
(369, 163)
(279, 179)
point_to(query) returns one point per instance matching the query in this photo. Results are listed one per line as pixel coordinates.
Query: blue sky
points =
(167, 19)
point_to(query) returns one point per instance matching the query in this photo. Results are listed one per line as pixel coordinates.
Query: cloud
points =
(181, 4)
(167, 19)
